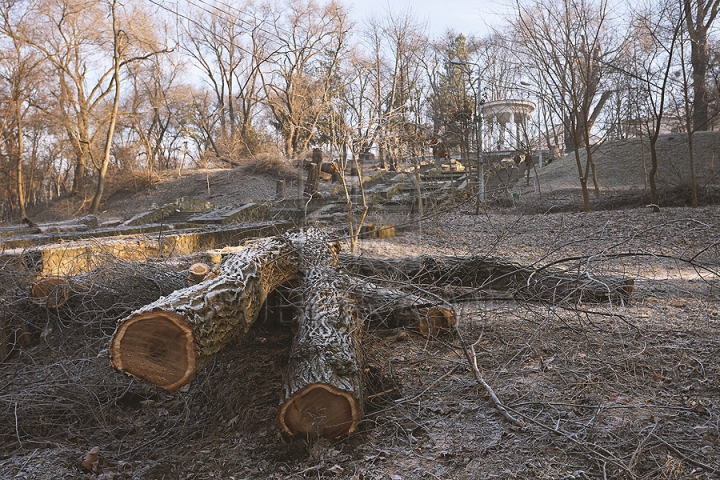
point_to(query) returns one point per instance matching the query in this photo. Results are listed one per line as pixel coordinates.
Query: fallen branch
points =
(478, 376)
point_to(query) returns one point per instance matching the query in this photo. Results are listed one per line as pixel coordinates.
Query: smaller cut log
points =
(198, 272)
(371, 230)
(323, 392)
(51, 292)
(435, 321)
(398, 308)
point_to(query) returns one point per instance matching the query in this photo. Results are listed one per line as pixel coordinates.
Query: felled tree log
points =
(74, 225)
(198, 272)
(51, 292)
(529, 283)
(169, 340)
(323, 395)
(399, 308)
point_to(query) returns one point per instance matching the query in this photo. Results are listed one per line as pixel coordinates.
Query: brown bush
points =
(270, 165)
(130, 182)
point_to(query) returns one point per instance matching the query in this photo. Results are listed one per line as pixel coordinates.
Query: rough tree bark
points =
(323, 392)
(169, 340)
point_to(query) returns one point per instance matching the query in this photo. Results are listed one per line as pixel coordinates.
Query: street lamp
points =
(480, 164)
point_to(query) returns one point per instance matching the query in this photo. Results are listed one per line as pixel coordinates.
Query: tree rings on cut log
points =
(198, 272)
(320, 410)
(436, 321)
(51, 292)
(156, 346)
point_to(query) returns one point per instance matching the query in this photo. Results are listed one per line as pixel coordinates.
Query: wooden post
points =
(280, 189)
(313, 178)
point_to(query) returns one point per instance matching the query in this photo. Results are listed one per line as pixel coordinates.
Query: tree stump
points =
(51, 292)
(198, 272)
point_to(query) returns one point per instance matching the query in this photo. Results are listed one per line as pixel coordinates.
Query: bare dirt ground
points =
(613, 390)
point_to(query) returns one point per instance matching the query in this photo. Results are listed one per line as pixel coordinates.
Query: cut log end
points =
(436, 321)
(157, 347)
(51, 292)
(198, 272)
(320, 410)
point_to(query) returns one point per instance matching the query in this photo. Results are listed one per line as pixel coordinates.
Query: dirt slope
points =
(622, 167)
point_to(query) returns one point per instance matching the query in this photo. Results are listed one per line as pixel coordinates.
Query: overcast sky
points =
(464, 16)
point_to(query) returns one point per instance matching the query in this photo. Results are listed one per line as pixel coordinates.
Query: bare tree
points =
(658, 26)
(570, 43)
(228, 45)
(453, 95)
(71, 34)
(152, 123)
(302, 80)
(75, 38)
(688, 112)
(21, 74)
(397, 44)
(699, 17)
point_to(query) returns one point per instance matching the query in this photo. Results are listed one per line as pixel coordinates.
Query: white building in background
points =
(507, 123)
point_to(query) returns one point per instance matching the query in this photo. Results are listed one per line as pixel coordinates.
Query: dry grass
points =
(605, 391)
(271, 166)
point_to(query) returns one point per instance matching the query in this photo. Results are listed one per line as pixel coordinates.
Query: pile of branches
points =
(64, 388)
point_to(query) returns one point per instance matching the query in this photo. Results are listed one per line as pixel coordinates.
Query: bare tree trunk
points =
(693, 180)
(699, 17)
(583, 182)
(105, 162)
(20, 151)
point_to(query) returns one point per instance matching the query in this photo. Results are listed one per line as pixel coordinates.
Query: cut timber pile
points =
(169, 340)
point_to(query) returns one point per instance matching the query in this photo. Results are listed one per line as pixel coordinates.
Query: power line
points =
(203, 27)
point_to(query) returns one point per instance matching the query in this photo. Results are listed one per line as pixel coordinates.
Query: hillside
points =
(622, 168)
